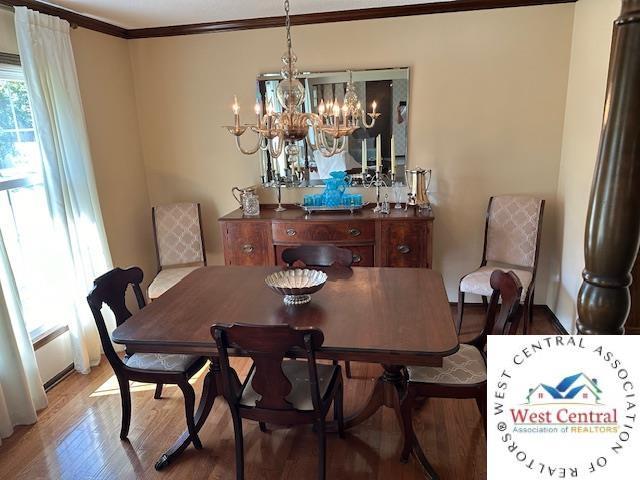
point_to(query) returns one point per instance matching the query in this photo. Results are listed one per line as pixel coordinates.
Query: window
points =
(541, 395)
(25, 222)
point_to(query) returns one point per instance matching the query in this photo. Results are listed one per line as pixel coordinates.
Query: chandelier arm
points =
(251, 151)
(277, 152)
(337, 147)
(364, 120)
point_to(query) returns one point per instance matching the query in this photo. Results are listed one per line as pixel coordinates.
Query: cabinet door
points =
(247, 243)
(405, 244)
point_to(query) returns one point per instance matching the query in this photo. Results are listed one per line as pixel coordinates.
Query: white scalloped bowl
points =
(297, 284)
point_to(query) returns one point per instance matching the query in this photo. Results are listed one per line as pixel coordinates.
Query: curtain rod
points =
(11, 9)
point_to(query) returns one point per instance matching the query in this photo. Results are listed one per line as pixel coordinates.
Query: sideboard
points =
(399, 239)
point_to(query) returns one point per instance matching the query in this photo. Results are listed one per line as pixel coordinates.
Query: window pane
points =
(6, 115)
(8, 150)
(27, 136)
(21, 105)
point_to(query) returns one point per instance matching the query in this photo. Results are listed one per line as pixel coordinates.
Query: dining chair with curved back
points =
(171, 369)
(279, 391)
(511, 243)
(464, 374)
(320, 256)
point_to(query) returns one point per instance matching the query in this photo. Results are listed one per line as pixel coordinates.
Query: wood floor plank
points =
(76, 437)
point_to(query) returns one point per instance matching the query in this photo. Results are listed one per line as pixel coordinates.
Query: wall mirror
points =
(388, 87)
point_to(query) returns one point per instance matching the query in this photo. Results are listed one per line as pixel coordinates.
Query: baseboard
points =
(58, 378)
(540, 308)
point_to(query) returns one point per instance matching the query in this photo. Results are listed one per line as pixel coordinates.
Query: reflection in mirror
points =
(300, 165)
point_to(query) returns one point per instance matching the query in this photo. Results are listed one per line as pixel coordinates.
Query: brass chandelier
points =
(330, 126)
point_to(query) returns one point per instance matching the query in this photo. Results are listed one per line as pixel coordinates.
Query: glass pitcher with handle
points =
(248, 200)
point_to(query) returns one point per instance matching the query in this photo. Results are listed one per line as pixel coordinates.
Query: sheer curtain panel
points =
(50, 74)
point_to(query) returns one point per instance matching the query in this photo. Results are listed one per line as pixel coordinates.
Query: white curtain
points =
(21, 391)
(50, 74)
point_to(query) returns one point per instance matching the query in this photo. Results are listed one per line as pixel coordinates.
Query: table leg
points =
(391, 391)
(210, 391)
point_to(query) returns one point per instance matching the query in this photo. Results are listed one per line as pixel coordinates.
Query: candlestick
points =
(393, 156)
(236, 111)
(321, 108)
(364, 158)
(258, 110)
(378, 153)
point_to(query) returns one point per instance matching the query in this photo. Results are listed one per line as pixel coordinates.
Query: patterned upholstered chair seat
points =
(166, 279)
(161, 362)
(478, 282)
(465, 367)
(179, 242)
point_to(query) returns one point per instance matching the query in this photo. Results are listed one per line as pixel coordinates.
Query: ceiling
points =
(156, 13)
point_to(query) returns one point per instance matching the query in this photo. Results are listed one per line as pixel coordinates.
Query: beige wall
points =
(486, 111)
(583, 122)
(106, 86)
(8, 42)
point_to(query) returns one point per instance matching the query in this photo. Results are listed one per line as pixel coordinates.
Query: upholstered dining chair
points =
(171, 369)
(279, 391)
(180, 250)
(320, 256)
(511, 242)
(464, 374)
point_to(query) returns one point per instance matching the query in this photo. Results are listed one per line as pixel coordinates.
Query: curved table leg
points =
(391, 391)
(209, 393)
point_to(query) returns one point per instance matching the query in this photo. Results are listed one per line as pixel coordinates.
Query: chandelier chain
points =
(288, 26)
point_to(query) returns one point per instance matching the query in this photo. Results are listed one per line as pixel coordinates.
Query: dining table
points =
(389, 316)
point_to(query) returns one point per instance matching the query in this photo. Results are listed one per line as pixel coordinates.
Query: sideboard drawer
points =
(247, 243)
(363, 255)
(309, 231)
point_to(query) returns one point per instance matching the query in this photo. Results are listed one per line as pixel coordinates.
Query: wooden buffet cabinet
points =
(400, 239)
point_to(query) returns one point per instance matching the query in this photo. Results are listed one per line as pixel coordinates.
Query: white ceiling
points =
(155, 13)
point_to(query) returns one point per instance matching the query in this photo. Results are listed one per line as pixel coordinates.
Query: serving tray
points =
(325, 208)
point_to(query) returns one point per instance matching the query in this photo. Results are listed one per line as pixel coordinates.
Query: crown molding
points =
(80, 20)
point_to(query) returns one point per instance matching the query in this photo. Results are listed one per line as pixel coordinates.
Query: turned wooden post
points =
(632, 327)
(613, 223)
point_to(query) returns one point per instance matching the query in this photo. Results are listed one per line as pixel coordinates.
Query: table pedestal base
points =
(391, 391)
(210, 391)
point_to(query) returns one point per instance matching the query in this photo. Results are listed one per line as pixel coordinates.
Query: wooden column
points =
(632, 326)
(612, 232)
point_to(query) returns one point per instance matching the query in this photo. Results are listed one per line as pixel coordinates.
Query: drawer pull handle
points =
(248, 248)
(354, 232)
(404, 249)
(356, 258)
(291, 232)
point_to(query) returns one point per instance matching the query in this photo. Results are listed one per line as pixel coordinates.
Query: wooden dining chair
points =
(171, 369)
(279, 391)
(177, 230)
(511, 243)
(320, 256)
(464, 374)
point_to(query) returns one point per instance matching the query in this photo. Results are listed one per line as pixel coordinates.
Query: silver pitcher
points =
(418, 185)
(248, 200)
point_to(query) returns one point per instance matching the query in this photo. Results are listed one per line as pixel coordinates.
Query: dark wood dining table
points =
(390, 316)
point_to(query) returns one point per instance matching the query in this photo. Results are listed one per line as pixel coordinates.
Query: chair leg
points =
(338, 411)
(322, 449)
(237, 431)
(189, 403)
(158, 393)
(460, 309)
(347, 368)
(125, 396)
(481, 401)
(527, 311)
(485, 302)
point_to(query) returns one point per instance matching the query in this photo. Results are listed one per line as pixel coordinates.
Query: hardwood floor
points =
(76, 437)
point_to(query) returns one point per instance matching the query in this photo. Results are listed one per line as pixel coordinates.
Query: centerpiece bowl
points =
(296, 284)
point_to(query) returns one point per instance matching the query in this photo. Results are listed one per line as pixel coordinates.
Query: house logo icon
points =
(574, 389)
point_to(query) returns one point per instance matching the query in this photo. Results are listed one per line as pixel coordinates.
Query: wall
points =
(590, 50)
(486, 111)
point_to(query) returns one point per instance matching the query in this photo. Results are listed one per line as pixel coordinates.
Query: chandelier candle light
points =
(330, 126)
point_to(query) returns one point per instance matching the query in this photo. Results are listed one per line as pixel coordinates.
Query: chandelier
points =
(330, 126)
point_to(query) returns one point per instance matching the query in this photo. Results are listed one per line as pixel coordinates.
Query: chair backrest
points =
(513, 228)
(318, 255)
(504, 312)
(110, 289)
(178, 234)
(267, 345)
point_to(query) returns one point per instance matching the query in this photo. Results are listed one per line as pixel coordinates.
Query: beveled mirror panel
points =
(304, 167)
